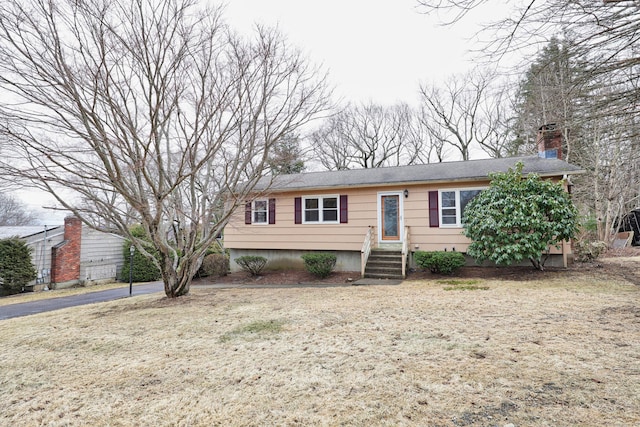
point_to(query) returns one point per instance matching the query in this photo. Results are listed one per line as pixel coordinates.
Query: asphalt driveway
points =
(50, 304)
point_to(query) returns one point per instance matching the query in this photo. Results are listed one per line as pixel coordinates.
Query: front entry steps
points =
(384, 264)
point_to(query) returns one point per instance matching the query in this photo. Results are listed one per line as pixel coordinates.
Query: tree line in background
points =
(585, 78)
(155, 112)
(585, 81)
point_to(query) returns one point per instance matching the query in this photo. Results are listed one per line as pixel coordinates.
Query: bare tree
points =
(551, 91)
(605, 33)
(368, 136)
(610, 188)
(466, 113)
(587, 80)
(15, 213)
(149, 111)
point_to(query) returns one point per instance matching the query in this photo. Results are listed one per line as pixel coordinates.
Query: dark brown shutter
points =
(247, 213)
(344, 210)
(272, 211)
(434, 217)
(298, 210)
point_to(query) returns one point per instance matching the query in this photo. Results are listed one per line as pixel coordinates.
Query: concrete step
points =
(383, 276)
(384, 264)
(390, 263)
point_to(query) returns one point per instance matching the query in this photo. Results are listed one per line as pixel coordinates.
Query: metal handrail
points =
(366, 249)
(405, 251)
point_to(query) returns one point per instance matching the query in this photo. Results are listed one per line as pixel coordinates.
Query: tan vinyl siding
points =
(285, 234)
(362, 213)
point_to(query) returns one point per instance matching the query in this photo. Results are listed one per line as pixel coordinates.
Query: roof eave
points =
(406, 183)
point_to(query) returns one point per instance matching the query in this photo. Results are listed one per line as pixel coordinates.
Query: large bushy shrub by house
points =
(144, 270)
(16, 268)
(518, 217)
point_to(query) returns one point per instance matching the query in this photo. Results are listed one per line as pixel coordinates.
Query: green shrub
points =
(16, 268)
(251, 264)
(320, 264)
(588, 250)
(440, 262)
(214, 264)
(144, 269)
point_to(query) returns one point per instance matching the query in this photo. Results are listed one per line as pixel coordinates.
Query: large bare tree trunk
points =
(147, 111)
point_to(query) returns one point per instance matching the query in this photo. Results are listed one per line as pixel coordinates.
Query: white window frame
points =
(321, 209)
(457, 191)
(254, 211)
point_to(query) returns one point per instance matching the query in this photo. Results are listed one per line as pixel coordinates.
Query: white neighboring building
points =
(70, 254)
(40, 239)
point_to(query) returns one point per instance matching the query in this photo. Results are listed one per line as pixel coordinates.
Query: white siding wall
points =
(41, 252)
(100, 256)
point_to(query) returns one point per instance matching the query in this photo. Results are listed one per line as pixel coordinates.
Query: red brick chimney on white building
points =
(65, 256)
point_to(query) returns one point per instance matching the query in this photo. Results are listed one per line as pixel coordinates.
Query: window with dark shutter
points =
(344, 211)
(272, 211)
(434, 220)
(247, 213)
(298, 210)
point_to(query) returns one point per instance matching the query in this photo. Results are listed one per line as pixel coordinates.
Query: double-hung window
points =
(321, 209)
(452, 205)
(260, 212)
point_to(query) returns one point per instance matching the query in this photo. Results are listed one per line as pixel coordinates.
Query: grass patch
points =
(462, 285)
(254, 329)
(466, 288)
(458, 282)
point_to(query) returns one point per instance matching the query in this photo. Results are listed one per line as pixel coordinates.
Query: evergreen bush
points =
(251, 264)
(519, 217)
(440, 262)
(16, 268)
(144, 269)
(320, 264)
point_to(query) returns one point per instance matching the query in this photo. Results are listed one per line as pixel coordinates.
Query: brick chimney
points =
(549, 142)
(65, 256)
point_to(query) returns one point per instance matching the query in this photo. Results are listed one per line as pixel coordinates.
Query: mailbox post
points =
(132, 249)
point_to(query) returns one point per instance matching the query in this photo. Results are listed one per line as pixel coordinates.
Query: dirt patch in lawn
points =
(289, 277)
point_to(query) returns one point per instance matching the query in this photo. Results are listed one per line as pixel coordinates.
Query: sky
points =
(373, 50)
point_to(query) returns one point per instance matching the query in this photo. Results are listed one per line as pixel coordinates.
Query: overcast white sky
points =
(374, 50)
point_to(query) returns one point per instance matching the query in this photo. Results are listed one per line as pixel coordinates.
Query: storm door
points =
(390, 217)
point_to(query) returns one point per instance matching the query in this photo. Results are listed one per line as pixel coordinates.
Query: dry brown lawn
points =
(560, 351)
